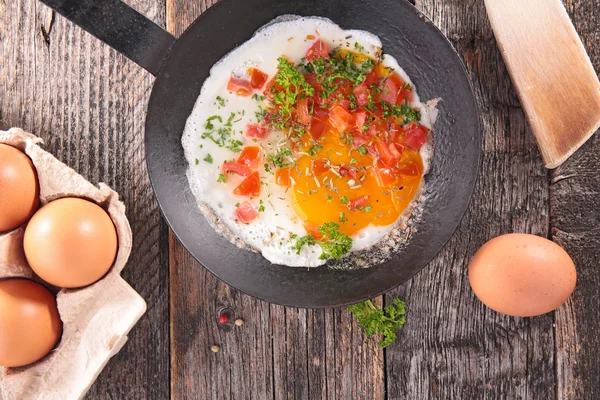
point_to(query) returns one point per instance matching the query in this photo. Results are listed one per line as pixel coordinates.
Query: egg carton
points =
(97, 318)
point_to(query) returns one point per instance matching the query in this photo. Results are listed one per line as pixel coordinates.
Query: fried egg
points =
(292, 200)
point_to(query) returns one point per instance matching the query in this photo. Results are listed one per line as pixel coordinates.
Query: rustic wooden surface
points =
(88, 103)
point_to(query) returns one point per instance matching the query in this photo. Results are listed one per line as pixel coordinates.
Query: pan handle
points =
(121, 27)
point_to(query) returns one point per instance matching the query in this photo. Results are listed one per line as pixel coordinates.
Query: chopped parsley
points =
(208, 159)
(383, 322)
(362, 150)
(359, 47)
(197, 162)
(258, 97)
(220, 101)
(261, 207)
(209, 124)
(329, 198)
(235, 145)
(282, 158)
(353, 161)
(344, 200)
(334, 244)
(222, 179)
(343, 218)
(314, 149)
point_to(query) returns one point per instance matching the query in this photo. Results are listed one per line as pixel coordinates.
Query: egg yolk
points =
(330, 183)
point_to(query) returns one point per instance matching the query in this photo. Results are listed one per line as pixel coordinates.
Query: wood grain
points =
(575, 225)
(88, 103)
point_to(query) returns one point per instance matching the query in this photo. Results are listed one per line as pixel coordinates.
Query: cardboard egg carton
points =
(97, 318)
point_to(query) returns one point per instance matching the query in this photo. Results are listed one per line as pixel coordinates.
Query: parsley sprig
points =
(333, 243)
(383, 322)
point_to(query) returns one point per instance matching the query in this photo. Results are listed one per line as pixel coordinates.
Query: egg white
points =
(272, 232)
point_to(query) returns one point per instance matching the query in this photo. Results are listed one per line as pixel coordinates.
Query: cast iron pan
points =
(182, 65)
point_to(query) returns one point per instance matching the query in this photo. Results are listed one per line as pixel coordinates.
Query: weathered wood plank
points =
(88, 103)
(281, 353)
(452, 346)
(575, 219)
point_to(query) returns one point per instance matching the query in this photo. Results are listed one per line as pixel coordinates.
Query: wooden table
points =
(89, 104)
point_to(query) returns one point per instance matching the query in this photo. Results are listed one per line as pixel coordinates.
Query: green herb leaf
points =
(362, 150)
(344, 200)
(281, 159)
(314, 149)
(383, 322)
(343, 218)
(222, 178)
(208, 159)
(333, 243)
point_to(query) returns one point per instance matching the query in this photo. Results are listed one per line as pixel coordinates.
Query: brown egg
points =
(19, 188)
(70, 242)
(30, 325)
(522, 275)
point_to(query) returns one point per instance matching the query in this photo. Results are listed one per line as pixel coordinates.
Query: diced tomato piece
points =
(386, 155)
(272, 88)
(358, 202)
(410, 169)
(344, 170)
(321, 114)
(240, 87)
(384, 176)
(246, 213)
(256, 131)
(257, 78)
(319, 167)
(250, 156)
(340, 118)
(303, 111)
(394, 150)
(371, 131)
(395, 133)
(371, 78)
(313, 230)
(361, 93)
(235, 168)
(249, 186)
(318, 129)
(389, 91)
(359, 118)
(359, 140)
(399, 147)
(372, 150)
(404, 91)
(416, 135)
(316, 51)
(282, 177)
(345, 104)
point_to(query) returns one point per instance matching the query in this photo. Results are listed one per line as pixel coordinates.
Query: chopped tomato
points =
(235, 168)
(303, 112)
(257, 78)
(345, 170)
(321, 114)
(359, 140)
(313, 230)
(240, 87)
(371, 131)
(340, 118)
(249, 186)
(371, 78)
(316, 51)
(319, 167)
(416, 136)
(359, 118)
(361, 93)
(282, 177)
(384, 176)
(318, 129)
(256, 131)
(272, 88)
(250, 156)
(246, 213)
(389, 91)
(404, 91)
(358, 202)
(399, 147)
(410, 169)
(388, 157)
(395, 133)
(395, 150)
(345, 104)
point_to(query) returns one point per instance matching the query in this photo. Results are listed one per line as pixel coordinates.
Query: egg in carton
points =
(96, 319)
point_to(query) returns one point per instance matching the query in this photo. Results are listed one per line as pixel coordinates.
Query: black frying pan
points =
(182, 65)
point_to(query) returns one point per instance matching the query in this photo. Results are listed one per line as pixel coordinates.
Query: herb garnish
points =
(384, 322)
(208, 159)
(222, 178)
(333, 243)
(362, 150)
(282, 158)
(314, 149)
